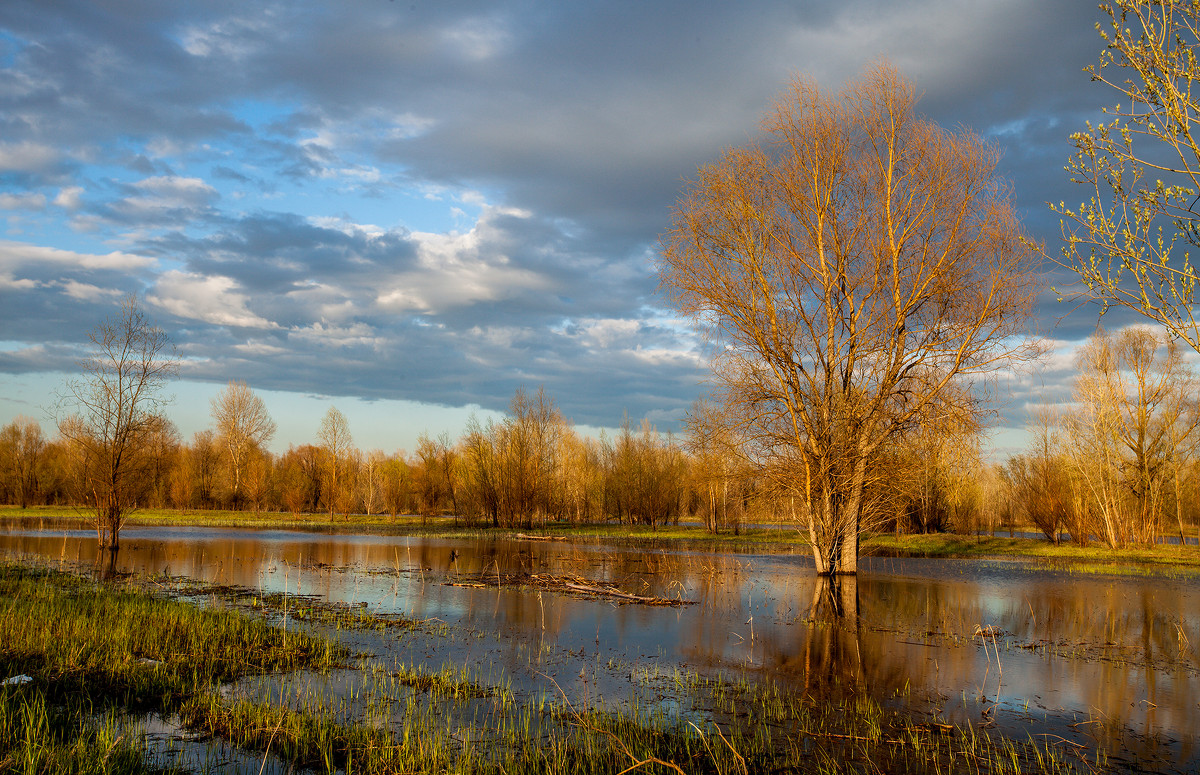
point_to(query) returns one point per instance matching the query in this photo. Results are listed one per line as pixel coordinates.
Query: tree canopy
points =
(855, 271)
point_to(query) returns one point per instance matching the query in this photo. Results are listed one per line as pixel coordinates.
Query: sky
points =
(409, 210)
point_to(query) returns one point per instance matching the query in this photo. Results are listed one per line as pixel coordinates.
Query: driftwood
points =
(569, 584)
(527, 537)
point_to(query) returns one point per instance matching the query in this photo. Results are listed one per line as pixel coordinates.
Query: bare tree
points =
(1142, 169)
(243, 423)
(716, 460)
(856, 271)
(1136, 414)
(336, 443)
(110, 413)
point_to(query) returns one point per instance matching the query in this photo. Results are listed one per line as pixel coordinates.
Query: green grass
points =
(1091, 558)
(122, 645)
(95, 649)
(37, 737)
(722, 727)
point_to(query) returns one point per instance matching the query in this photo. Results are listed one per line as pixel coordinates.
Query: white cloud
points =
(15, 254)
(254, 349)
(172, 191)
(460, 269)
(603, 333)
(10, 283)
(212, 299)
(88, 292)
(69, 197)
(347, 227)
(337, 336)
(477, 39)
(231, 39)
(660, 356)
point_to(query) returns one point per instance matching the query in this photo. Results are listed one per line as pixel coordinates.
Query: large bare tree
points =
(856, 269)
(111, 412)
(243, 424)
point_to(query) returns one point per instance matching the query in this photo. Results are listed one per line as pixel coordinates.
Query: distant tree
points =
(716, 463)
(163, 449)
(258, 478)
(1135, 415)
(1142, 169)
(23, 445)
(855, 272)
(243, 424)
(300, 473)
(111, 412)
(644, 476)
(371, 479)
(336, 444)
(397, 485)
(205, 461)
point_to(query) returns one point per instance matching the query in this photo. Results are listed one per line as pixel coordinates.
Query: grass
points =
(1090, 558)
(122, 645)
(94, 650)
(98, 650)
(37, 737)
(722, 727)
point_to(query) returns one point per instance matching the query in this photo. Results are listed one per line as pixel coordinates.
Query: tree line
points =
(526, 468)
(1117, 466)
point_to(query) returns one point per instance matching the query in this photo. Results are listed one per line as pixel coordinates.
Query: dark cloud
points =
(249, 153)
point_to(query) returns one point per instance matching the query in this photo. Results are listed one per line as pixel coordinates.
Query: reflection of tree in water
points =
(839, 646)
(832, 652)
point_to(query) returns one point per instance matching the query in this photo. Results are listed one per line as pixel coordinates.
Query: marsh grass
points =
(117, 644)
(309, 609)
(38, 737)
(95, 650)
(715, 726)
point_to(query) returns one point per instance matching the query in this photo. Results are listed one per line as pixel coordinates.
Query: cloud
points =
(211, 299)
(27, 156)
(69, 198)
(25, 201)
(20, 255)
(443, 202)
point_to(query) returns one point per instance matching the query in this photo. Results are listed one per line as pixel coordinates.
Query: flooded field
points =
(1078, 662)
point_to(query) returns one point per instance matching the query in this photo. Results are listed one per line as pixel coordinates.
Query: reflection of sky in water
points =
(1123, 649)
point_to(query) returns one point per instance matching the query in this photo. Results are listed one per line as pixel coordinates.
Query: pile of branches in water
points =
(568, 583)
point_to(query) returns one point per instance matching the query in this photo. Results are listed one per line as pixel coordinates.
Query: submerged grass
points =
(116, 644)
(722, 728)
(37, 737)
(93, 650)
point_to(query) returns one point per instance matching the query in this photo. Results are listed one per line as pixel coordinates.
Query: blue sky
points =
(409, 210)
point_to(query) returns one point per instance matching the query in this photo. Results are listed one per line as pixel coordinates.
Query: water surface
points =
(1086, 657)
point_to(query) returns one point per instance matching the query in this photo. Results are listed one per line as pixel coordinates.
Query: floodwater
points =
(1102, 660)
